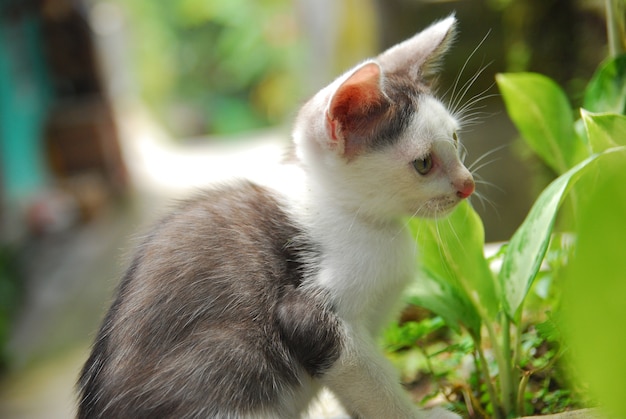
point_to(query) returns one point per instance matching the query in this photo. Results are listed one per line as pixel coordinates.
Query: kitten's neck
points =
(344, 208)
(366, 261)
(369, 265)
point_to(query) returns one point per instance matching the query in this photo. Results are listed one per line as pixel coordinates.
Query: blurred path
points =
(70, 276)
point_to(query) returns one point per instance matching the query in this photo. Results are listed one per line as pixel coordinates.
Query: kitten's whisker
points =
(458, 77)
(470, 112)
(473, 167)
(473, 119)
(472, 115)
(414, 215)
(482, 95)
(461, 94)
(417, 233)
(480, 181)
(481, 198)
(356, 214)
(468, 86)
(470, 105)
(463, 153)
(404, 225)
(444, 246)
(471, 122)
(440, 241)
(456, 236)
(484, 201)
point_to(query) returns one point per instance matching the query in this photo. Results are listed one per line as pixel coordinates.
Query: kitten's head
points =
(378, 140)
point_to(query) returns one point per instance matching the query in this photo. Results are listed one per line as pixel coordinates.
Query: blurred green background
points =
(242, 64)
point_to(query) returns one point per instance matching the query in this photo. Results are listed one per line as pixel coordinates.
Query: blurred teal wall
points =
(25, 94)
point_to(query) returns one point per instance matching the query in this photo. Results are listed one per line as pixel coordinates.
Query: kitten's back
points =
(198, 327)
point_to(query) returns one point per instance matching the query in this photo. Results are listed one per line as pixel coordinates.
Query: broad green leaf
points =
(543, 115)
(528, 245)
(606, 92)
(593, 299)
(452, 254)
(604, 130)
(453, 248)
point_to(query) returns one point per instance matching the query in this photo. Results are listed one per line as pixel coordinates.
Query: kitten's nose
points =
(466, 188)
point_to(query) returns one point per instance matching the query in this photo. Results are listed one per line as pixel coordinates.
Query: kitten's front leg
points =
(367, 384)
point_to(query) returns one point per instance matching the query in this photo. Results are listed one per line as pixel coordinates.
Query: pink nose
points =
(466, 189)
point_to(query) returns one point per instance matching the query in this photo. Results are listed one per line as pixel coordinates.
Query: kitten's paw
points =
(439, 413)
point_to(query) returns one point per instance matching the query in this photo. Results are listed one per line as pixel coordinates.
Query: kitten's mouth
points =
(438, 207)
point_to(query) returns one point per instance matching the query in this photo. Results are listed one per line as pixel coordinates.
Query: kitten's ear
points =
(421, 54)
(355, 109)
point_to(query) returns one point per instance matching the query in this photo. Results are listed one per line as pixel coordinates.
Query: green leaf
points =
(593, 303)
(604, 130)
(406, 335)
(549, 330)
(440, 296)
(452, 258)
(528, 245)
(542, 114)
(606, 92)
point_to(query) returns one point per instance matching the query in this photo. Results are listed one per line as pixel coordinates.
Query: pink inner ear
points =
(356, 99)
(357, 93)
(367, 77)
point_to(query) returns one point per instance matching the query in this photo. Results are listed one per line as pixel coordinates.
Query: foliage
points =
(232, 64)
(472, 295)
(593, 307)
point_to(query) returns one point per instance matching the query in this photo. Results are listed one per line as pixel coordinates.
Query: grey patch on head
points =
(210, 316)
(393, 118)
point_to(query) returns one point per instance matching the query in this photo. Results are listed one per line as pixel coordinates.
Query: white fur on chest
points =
(364, 265)
(365, 270)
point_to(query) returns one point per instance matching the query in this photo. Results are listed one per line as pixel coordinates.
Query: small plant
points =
(485, 298)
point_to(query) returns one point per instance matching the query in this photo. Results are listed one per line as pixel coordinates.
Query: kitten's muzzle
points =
(466, 188)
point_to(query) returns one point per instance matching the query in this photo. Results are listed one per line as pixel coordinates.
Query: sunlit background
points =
(110, 108)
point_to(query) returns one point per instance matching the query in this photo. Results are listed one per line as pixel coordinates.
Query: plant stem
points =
(429, 366)
(522, 390)
(502, 367)
(517, 357)
(507, 375)
(484, 366)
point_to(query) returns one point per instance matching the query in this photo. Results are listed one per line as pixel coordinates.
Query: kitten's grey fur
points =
(246, 300)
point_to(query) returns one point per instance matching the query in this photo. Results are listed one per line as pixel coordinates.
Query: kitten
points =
(249, 298)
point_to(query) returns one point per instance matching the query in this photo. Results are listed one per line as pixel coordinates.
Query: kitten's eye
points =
(423, 166)
(455, 138)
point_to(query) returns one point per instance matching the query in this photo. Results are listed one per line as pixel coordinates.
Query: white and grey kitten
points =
(249, 298)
